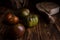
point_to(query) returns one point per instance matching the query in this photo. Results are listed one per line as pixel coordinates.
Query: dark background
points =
(31, 4)
(7, 3)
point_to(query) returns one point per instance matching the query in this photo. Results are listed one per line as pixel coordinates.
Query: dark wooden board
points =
(41, 31)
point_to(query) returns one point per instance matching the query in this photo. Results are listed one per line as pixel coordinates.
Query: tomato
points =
(31, 20)
(19, 30)
(24, 12)
(11, 18)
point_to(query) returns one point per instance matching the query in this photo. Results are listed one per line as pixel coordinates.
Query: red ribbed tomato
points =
(11, 18)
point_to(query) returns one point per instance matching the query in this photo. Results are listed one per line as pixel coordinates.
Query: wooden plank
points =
(41, 31)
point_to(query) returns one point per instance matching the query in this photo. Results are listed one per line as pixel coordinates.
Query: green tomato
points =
(31, 20)
(24, 12)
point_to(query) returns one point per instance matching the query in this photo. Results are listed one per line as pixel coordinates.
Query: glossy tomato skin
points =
(8, 16)
(31, 20)
(24, 12)
(15, 31)
(19, 30)
(12, 19)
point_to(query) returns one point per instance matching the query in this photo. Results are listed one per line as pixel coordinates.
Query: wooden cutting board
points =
(41, 31)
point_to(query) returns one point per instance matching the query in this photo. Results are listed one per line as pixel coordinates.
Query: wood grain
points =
(41, 31)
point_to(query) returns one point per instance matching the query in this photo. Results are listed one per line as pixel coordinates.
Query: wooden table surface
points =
(41, 31)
